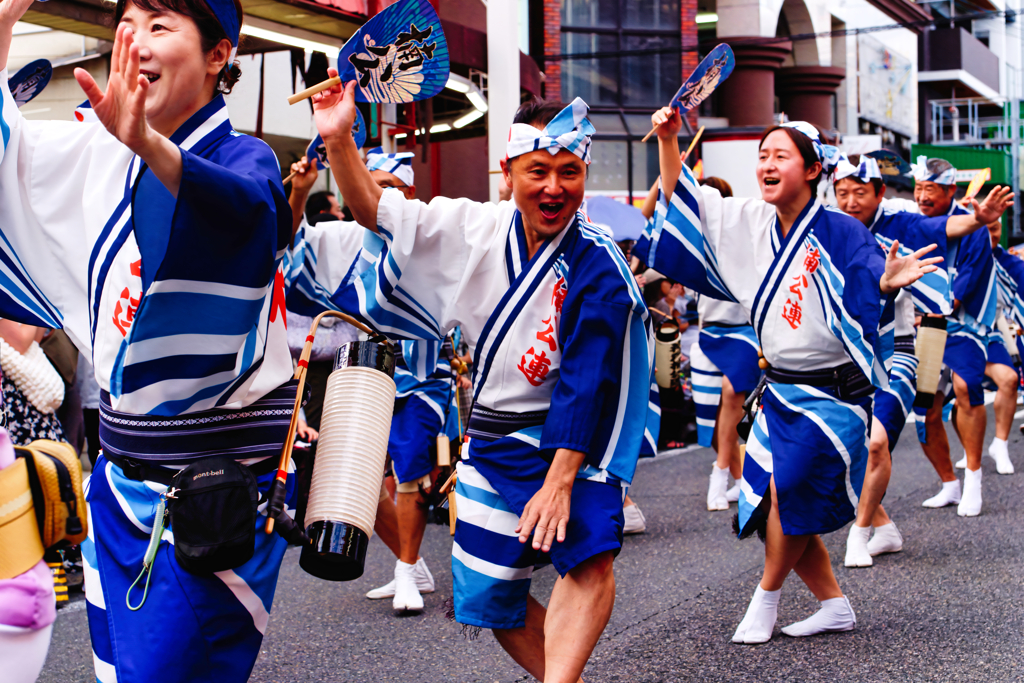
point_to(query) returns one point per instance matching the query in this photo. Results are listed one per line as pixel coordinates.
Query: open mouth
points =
(551, 210)
(771, 181)
(150, 76)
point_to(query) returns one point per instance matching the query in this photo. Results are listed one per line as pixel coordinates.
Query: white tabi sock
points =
(759, 621)
(857, 554)
(887, 539)
(949, 495)
(717, 486)
(970, 505)
(998, 452)
(835, 614)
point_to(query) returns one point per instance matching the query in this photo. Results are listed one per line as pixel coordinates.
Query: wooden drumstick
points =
(319, 87)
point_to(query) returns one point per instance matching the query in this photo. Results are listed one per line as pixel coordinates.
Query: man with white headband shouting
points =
(562, 372)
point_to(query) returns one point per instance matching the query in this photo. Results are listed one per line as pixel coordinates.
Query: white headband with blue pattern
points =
(569, 130)
(865, 171)
(921, 173)
(398, 165)
(827, 154)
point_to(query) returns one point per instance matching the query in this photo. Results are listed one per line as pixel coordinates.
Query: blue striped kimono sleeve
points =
(932, 293)
(321, 260)
(600, 404)
(424, 277)
(1010, 271)
(675, 242)
(974, 284)
(21, 297)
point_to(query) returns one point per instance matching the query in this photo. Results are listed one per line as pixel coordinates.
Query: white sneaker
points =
(733, 494)
(857, 554)
(636, 523)
(407, 597)
(949, 495)
(970, 506)
(961, 464)
(717, 486)
(424, 581)
(887, 539)
(836, 614)
(998, 452)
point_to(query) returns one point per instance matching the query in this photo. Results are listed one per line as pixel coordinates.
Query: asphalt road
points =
(948, 608)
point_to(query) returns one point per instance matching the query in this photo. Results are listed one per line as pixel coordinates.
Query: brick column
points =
(552, 88)
(688, 10)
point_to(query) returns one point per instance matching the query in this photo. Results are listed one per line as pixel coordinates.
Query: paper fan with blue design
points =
(400, 55)
(708, 75)
(30, 81)
(889, 162)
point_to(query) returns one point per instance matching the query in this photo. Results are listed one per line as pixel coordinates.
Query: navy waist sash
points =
(256, 431)
(490, 425)
(905, 343)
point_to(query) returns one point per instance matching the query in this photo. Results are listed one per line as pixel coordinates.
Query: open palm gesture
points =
(122, 108)
(902, 271)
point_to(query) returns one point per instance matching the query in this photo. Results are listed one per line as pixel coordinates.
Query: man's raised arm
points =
(334, 111)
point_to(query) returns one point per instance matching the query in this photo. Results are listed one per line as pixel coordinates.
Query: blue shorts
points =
(413, 440)
(996, 351)
(491, 569)
(966, 355)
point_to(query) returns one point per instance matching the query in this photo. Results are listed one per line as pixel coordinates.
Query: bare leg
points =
(781, 552)
(526, 645)
(412, 521)
(876, 478)
(386, 525)
(730, 412)
(971, 422)
(627, 501)
(1006, 397)
(556, 643)
(880, 517)
(937, 448)
(581, 604)
(815, 570)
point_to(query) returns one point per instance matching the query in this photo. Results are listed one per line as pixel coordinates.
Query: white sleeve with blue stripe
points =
(46, 168)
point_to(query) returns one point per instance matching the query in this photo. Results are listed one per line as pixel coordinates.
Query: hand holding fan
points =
(708, 75)
(400, 55)
(316, 152)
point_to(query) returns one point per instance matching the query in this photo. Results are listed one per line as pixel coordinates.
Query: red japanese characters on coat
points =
(127, 305)
(792, 311)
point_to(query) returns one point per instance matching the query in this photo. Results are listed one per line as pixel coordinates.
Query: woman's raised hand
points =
(122, 108)
(334, 109)
(667, 122)
(11, 12)
(901, 271)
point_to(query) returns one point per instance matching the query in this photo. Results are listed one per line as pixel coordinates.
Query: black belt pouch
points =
(212, 504)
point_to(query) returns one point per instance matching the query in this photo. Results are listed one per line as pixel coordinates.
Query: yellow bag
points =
(55, 477)
(20, 546)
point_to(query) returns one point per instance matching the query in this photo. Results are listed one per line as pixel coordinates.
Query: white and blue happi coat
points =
(562, 360)
(180, 306)
(727, 347)
(814, 300)
(933, 294)
(973, 275)
(1010, 276)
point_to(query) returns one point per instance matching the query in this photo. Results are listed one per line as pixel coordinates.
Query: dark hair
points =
(875, 182)
(536, 111)
(210, 30)
(318, 202)
(804, 145)
(724, 188)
